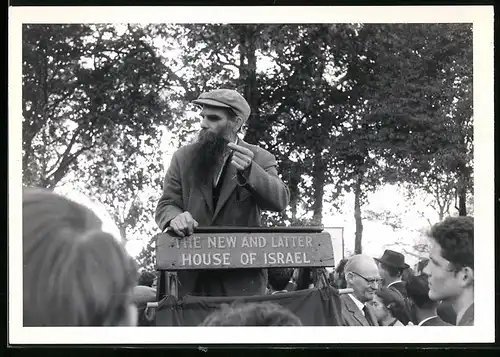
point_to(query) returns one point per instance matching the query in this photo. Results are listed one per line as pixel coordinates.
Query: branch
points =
(68, 149)
(61, 171)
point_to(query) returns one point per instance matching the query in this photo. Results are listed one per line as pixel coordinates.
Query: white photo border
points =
(482, 19)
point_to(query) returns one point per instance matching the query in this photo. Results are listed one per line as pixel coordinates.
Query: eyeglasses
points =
(369, 281)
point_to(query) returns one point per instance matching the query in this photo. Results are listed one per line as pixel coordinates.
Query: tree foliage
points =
(347, 107)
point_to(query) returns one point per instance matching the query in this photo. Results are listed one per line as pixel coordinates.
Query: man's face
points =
(219, 121)
(365, 280)
(444, 282)
(379, 309)
(383, 273)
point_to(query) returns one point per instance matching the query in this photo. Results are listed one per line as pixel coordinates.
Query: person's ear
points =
(239, 123)
(467, 276)
(348, 277)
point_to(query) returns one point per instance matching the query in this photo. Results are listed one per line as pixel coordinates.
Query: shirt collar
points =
(394, 282)
(358, 303)
(425, 320)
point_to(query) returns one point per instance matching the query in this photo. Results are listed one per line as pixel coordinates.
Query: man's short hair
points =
(455, 236)
(392, 271)
(279, 278)
(252, 314)
(417, 288)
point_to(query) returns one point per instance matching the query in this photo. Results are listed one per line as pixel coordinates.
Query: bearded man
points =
(220, 180)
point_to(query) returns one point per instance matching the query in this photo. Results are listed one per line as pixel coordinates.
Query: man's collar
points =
(358, 303)
(425, 320)
(394, 282)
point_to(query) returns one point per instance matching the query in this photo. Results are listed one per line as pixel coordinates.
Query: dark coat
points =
(353, 316)
(240, 203)
(401, 287)
(436, 321)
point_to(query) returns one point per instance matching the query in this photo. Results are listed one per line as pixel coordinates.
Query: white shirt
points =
(358, 303)
(424, 320)
(394, 282)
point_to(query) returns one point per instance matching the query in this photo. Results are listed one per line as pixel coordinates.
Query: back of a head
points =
(394, 303)
(341, 266)
(279, 278)
(417, 288)
(74, 273)
(252, 314)
(406, 274)
(455, 236)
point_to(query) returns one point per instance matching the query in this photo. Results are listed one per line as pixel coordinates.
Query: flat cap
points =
(225, 98)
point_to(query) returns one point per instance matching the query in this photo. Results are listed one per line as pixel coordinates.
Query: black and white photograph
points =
(322, 170)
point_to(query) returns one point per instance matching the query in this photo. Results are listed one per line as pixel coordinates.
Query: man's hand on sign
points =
(184, 224)
(242, 157)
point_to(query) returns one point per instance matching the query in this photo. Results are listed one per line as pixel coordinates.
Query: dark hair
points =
(252, 314)
(278, 278)
(394, 303)
(455, 236)
(406, 274)
(340, 267)
(421, 265)
(74, 274)
(392, 271)
(341, 282)
(417, 288)
(146, 278)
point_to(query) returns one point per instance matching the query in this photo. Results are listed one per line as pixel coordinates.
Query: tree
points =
(401, 123)
(83, 84)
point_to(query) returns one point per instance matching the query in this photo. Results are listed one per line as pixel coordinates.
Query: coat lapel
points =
(356, 312)
(206, 191)
(228, 186)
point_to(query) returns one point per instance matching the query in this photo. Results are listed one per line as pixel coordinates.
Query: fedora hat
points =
(393, 259)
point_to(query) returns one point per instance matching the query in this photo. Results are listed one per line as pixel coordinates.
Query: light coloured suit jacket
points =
(240, 203)
(353, 316)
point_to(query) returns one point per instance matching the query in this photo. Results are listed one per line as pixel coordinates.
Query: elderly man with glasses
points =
(362, 275)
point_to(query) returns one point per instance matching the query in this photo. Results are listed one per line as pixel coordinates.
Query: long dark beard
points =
(208, 154)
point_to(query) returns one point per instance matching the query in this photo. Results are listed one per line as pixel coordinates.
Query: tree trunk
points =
(463, 179)
(294, 198)
(357, 215)
(318, 182)
(248, 78)
(462, 200)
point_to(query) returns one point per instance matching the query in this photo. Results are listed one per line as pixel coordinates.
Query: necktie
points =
(367, 315)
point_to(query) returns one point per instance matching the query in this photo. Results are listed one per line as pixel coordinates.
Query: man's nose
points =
(204, 123)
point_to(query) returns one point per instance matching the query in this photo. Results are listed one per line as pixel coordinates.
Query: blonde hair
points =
(74, 274)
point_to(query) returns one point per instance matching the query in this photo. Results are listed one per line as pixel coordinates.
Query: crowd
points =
(77, 275)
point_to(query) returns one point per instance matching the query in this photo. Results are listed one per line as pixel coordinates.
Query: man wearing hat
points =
(391, 266)
(220, 180)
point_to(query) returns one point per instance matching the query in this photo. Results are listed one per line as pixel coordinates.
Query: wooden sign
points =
(231, 250)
